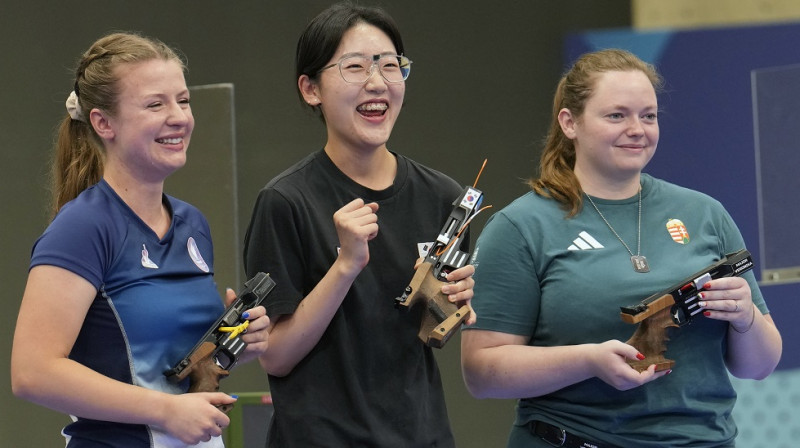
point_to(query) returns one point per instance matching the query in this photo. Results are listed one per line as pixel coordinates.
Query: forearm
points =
(50, 318)
(514, 371)
(67, 386)
(754, 353)
(293, 337)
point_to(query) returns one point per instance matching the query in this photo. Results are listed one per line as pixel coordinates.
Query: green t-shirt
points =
(562, 282)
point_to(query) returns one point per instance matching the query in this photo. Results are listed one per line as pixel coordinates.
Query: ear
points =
(567, 122)
(101, 124)
(310, 90)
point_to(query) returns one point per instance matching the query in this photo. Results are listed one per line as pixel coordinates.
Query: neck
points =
(610, 188)
(144, 199)
(374, 169)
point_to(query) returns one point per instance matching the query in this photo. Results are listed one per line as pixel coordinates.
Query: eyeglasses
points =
(358, 69)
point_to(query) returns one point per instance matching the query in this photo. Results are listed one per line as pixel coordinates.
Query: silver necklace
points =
(638, 261)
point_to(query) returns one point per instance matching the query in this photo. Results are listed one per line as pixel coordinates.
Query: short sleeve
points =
(77, 242)
(272, 245)
(507, 291)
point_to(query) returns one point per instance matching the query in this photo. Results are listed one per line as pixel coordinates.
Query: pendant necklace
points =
(638, 261)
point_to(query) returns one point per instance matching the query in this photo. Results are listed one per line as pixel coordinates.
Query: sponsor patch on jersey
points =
(678, 231)
(146, 261)
(194, 254)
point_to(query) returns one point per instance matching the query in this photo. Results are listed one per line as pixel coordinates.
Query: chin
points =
(376, 138)
(175, 166)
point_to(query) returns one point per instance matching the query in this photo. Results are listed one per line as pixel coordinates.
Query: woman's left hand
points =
(754, 343)
(729, 299)
(257, 334)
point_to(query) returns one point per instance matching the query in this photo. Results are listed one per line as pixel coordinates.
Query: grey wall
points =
(483, 78)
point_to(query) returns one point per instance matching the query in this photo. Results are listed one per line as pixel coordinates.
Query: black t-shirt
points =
(369, 381)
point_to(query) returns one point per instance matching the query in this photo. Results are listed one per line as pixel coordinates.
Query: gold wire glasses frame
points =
(358, 69)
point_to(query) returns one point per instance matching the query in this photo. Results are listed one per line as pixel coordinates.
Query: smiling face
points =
(149, 134)
(358, 117)
(617, 134)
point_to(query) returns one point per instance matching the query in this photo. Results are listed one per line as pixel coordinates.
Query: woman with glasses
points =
(340, 232)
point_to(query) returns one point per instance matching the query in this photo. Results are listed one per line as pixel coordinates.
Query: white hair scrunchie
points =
(74, 107)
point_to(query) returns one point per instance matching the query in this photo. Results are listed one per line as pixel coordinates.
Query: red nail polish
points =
(639, 356)
(706, 313)
(707, 286)
(702, 296)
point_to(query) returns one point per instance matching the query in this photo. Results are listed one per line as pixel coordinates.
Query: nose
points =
(375, 79)
(635, 127)
(179, 114)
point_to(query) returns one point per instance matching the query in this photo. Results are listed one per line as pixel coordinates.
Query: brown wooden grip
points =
(436, 334)
(650, 338)
(204, 373)
(423, 270)
(205, 376)
(441, 318)
(665, 301)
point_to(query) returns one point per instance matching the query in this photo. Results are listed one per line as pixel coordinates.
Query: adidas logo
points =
(584, 241)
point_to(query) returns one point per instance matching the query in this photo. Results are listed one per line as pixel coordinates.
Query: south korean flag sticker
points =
(678, 231)
(424, 248)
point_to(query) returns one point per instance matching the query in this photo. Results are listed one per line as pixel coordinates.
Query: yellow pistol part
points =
(235, 331)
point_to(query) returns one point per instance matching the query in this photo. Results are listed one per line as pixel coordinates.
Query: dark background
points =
(481, 87)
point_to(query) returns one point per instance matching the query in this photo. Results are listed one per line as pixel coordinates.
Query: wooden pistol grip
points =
(204, 373)
(665, 301)
(441, 317)
(205, 376)
(436, 334)
(651, 339)
(204, 351)
(420, 275)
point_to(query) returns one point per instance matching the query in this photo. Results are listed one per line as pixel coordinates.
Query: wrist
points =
(160, 410)
(345, 269)
(591, 365)
(749, 326)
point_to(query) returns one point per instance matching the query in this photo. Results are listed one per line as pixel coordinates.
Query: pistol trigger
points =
(678, 316)
(218, 363)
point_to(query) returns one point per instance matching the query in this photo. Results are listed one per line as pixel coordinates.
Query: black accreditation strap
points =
(558, 437)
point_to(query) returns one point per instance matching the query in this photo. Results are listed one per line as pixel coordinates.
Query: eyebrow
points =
(629, 109)
(161, 95)
(358, 53)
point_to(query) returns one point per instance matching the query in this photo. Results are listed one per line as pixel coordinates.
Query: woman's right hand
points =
(195, 417)
(293, 336)
(503, 365)
(356, 224)
(610, 365)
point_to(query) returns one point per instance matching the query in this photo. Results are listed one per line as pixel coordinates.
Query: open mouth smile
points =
(169, 141)
(372, 109)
